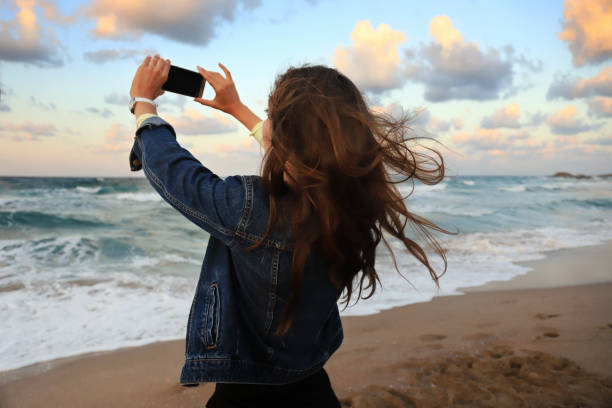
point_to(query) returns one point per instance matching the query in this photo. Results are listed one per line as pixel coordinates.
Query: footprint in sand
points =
(432, 337)
(545, 316)
(551, 334)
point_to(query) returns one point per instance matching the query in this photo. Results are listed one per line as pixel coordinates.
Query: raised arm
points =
(214, 204)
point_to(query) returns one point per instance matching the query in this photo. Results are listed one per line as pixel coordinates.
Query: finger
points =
(209, 77)
(157, 63)
(202, 71)
(147, 60)
(206, 102)
(227, 73)
(166, 69)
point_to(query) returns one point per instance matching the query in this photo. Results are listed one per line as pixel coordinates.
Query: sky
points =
(503, 87)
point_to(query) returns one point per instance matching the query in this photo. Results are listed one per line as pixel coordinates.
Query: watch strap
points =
(140, 99)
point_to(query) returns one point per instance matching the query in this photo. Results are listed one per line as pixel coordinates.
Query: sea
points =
(92, 264)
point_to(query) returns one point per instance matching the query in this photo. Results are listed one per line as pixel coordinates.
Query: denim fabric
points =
(240, 293)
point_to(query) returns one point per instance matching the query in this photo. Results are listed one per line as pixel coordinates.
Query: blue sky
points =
(507, 87)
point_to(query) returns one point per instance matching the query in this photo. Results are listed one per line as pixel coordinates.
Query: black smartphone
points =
(185, 82)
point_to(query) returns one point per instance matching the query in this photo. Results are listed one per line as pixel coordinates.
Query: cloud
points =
(600, 106)
(52, 14)
(246, 147)
(105, 113)
(116, 98)
(4, 92)
(439, 125)
(422, 118)
(452, 68)
(27, 131)
(372, 61)
(482, 139)
(188, 21)
(602, 141)
(566, 88)
(23, 39)
(567, 122)
(495, 142)
(535, 119)
(586, 29)
(193, 122)
(510, 117)
(177, 101)
(41, 105)
(507, 117)
(110, 54)
(117, 138)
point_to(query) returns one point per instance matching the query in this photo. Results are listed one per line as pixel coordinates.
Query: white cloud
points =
(187, 21)
(452, 68)
(600, 106)
(194, 122)
(587, 28)
(117, 138)
(566, 122)
(372, 61)
(111, 54)
(507, 117)
(566, 88)
(24, 39)
(42, 105)
(495, 142)
(105, 113)
(27, 131)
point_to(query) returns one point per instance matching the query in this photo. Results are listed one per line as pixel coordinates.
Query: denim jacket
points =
(240, 293)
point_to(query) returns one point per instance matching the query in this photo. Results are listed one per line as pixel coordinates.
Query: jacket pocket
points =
(211, 324)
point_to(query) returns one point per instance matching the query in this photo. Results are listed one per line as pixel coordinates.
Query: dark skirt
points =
(313, 391)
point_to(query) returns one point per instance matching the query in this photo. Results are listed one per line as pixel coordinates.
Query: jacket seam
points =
(248, 203)
(272, 291)
(268, 242)
(179, 203)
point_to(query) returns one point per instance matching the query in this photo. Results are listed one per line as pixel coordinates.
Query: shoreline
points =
(569, 322)
(547, 276)
(556, 269)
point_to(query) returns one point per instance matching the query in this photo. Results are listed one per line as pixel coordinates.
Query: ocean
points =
(90, 264)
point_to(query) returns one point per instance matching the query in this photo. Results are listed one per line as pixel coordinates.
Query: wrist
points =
(236, 109)
(245, 116)
(144, 107)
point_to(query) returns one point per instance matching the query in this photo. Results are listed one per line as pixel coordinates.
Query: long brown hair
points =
(338, 156)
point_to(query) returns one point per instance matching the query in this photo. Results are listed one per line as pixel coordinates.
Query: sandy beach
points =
(542, 339)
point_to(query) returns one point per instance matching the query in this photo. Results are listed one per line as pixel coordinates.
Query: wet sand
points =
(532, 341)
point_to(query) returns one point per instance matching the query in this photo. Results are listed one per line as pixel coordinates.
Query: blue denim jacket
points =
(240, 293)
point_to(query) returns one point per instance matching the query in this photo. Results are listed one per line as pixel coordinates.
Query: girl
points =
(285, 245)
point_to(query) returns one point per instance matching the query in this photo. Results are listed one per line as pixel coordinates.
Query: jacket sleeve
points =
(214, 204)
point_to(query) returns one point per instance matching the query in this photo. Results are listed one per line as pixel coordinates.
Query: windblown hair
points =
(340, 195)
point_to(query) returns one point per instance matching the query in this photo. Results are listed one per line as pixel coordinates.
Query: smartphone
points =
(185, 82)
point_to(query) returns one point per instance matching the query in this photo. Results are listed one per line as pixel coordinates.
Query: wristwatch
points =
(139, 99)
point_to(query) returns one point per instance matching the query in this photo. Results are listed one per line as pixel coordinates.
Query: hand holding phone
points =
(185, 82)
(226, 96)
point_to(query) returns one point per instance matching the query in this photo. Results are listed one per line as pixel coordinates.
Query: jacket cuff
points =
(154, 121)
(136, 153)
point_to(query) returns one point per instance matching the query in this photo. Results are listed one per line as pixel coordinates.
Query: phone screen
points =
(184, 82)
